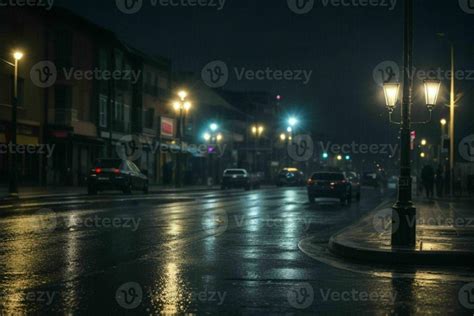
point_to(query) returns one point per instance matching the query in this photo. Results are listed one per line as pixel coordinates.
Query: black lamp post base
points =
(403, 225)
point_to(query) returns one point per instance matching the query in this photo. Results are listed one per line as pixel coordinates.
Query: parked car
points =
(116, 174)
(354, 180)
(290, 176)
(239, 178)
(330, 185)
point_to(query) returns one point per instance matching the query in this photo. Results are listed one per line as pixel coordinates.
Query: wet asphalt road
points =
(232, 252)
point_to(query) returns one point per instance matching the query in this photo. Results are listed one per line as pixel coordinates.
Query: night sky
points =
(341, 45)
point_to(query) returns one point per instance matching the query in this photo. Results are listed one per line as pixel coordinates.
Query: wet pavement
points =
(231, 252)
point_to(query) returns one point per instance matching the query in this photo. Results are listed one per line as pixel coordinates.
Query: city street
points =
(232, 252)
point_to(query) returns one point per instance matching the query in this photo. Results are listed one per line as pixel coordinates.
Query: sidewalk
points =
(445, 236)
(41, 192)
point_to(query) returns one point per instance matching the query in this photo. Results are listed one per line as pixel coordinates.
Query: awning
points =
(21, 139)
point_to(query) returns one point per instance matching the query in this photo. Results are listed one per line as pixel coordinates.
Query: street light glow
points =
(391, 91)
(283, 137)
(214, 127)
(18, 55)
(292, 121)
(339, 157)
(219, 137)
(187, 106)
(207, 137)
(432, 91)
(422, 155)
(424, 142)
(182, 94)
(444, 122)
(289, 129)
(325, 155)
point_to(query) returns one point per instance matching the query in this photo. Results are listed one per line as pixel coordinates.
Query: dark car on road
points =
(116, 174)
(239, 178)
(330, 185)
(290, 177)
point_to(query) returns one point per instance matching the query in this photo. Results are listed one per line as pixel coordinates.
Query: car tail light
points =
(98, 170)
(116, 171)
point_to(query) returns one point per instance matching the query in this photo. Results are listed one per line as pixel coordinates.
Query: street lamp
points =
(182, 107)
(404, 211)
(431, 92)
(257, 131)
(13, 181)
(292, 121)
(443, 122)
(424, 142)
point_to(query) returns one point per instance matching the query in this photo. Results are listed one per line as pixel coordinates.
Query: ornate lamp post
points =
(404, 211)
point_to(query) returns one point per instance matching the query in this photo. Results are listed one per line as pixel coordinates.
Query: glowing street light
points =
(391, 91)
(292, 121)
(443, 122)
(18, 55)
(207, 137)
(282, 137)
(424, 142)
(214, 127)
(431, 92)
(339, 157)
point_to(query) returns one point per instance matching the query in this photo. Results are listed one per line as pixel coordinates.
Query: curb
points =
(396, 256)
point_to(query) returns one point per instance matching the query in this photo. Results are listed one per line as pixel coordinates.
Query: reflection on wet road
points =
(232, 252)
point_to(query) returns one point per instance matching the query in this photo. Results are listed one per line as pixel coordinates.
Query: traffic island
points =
(445, 236)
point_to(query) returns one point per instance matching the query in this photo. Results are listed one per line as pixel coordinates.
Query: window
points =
(149, 118)
(126, 116)
(63, 97)
(63, 48)
(103, 110)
